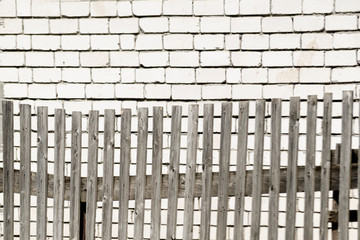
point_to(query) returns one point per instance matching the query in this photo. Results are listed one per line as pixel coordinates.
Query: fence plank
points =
(335, 203)
(325, 165)
(274, 169)
(224, 162)
(92, 169)
(157, 156)
(358, 185)
(8, 164)
(345, 162)
(173, 186)
(241, 170)
(257, 171)
(140, 172)
(310, 164)
(291, 183)
(190, 171)
(42, 181)
(59, 177)
(207, 158)
(108, 173)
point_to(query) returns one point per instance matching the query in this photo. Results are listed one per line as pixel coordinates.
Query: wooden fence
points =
(338, 172)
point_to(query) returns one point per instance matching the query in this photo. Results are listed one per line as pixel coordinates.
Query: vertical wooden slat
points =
(345, 163)
(157, 156)
(241, 170)
(75, 176)
(91, 184)
(108, 174)
(257, 171)
(274, 168)
(174, 172)
(141, 172)
(224, 162)
(325, 165)
(358, 183)
(310, 164)
(207, 158)
(42, 182)
(335, 203)
(125, 158)
(291, 179)
(190, 171)
(59, 165)
(8, 158)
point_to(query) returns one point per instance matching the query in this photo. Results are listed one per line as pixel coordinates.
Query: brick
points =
(157, 91)
(232, 42)
(347, 40)
(186, 92)
(76, 75)
(316, 41)
(215, 24)
(94, 59)
(148, 42)
(232, 7)
(7, 8)
(254, 7)
(64, 26)
(11, 26)
(103, 8)
(245, 24)
(78, 42)
(274, 91)
(340, 22)
(105, 75)
(210, 75)
(246, 59)
(215, 7)
(340, 58)
(129, 91)
(124, 8)
(23, 8)
(308, 23)
(233, 75)
(47, 75)
(11, 59)
(150, 75)
(75, 9)
(336, 90)
(154, 59)
(209, 42)
(124, 59)
(215, 58)
(42, 91)
(216, 92)
(351, 74)
(286, 7)
(184, 24)
(7, 42)
(23, 42)
(41, 42)
(303, 91)
(15, 90)
(154, 24)
(25, 75)
(285, 41)
(69, 91)
(8, 75)
(283, 75)
(312, 75)
(241, 91)
(36, 26)
(254, 42)
(272, 59)
(320, 6)
(94, 25)
(147, 8)
(102, 91)
(308, 58)
(127, 42)
(254, 75)
(178, 42)
(180, 75)
(347, 6)
(105, 42)
(127, 75)
(177, 7)
(124, 25)
(184, 59)
(277, 24)
(38, 59)
(43, 8)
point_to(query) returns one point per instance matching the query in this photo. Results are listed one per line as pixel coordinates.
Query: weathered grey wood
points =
(224, 162)
(309, 167)
(345, 163)
(173, 183)
(241, 170)
(274, 169)
(291, 184)
(325, 165)
(92, 170)
(42, 181)
(207, 159)
(124, 181)
(108, 173)
(157, 155)
(257, 172)
(59, 177)
(141, 173)
(358, 172)
(8, 163)
(192, 135)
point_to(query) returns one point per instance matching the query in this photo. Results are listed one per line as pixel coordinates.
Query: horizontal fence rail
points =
(337, 172)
